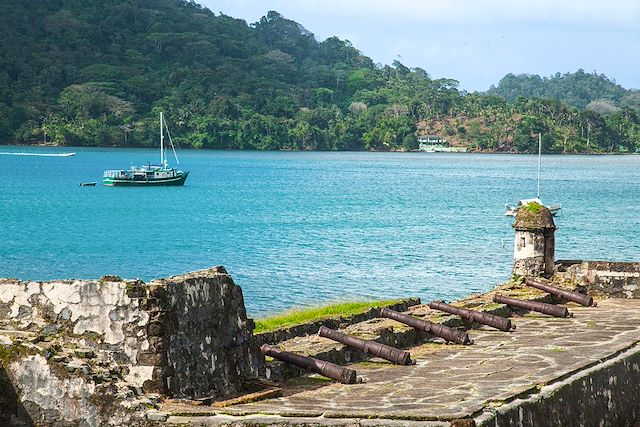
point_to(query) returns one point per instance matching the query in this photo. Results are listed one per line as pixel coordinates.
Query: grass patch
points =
(533, 207)
(490, 306)
(297, 317)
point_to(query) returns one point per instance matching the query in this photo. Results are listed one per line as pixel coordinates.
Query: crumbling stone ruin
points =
(104, 352)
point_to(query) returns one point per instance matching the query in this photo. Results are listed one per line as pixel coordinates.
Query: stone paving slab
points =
(275, 421)
(450, 382)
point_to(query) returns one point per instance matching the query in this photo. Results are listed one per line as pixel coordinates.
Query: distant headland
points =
(88, 74)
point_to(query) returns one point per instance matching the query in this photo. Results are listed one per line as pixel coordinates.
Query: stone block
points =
(136, 289)
(85, 353)
(148, 304)
(155, 386)
(159, 316)
(156, 329)
(157, 291)
(161, 372)
(158, 343)
(152, 359)
(157, 416)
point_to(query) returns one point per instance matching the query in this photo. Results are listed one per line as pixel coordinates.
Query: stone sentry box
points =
(534, 246)
(185, 336)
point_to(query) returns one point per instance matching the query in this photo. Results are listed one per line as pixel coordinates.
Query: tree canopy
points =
(97, 73)
(576, 89)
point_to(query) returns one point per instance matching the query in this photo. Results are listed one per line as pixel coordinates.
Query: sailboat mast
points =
(539, 159)
(161, 141)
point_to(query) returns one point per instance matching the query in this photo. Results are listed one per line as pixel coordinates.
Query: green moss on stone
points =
(533, 207)
(490, 307)
(13, 352)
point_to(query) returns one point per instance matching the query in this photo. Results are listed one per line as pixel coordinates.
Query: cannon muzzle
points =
(568, 295)
(328, 369)
(475, 316)
(442, 331)
(400, 357)
(540, 307)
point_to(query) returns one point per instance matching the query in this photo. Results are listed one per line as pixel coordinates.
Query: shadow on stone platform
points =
(12, 413)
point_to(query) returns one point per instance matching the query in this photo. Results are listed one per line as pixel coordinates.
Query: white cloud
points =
(474, 41)
(616, 12)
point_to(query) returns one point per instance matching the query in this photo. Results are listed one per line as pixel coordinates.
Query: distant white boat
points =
(554, 209)
(39, 154)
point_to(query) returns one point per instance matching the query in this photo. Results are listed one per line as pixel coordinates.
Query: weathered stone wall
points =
(83, 350)
(210, 344)
(606, 395)
(529, 253)
(604, 278)
(67, 348)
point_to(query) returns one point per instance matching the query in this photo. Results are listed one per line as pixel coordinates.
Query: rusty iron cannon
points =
(566, 294)
(442, 331)
(492, 320)
(400, 357)
(328, 369)
(540, 307)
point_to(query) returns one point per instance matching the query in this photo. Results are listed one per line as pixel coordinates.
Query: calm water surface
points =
(300, 229)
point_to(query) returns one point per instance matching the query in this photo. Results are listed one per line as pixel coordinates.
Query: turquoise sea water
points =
(299, 229)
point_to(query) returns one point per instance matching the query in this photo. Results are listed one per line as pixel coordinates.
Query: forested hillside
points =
(579, 89)
(98, 73)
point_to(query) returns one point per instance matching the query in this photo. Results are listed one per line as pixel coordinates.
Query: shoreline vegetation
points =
(398, 150)
(97, 73)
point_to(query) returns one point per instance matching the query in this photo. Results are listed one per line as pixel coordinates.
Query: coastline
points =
(393, 150)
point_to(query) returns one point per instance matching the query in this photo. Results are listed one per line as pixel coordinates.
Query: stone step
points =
(206, 407)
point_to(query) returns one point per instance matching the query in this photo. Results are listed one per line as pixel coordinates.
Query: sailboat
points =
(554, 209)
(149, 175)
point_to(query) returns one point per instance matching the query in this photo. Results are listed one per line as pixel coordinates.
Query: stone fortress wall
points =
(94, 350)
(606, 278)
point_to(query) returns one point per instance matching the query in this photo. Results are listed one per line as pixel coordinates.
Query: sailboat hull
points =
(146, 182)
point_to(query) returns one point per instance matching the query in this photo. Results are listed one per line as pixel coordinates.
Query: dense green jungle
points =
(97, 73)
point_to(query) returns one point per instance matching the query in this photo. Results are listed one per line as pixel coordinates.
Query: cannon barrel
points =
(475, 316)
(541, 307)
(328, 369)
(400, 357)
(582, 299)
(442, 331)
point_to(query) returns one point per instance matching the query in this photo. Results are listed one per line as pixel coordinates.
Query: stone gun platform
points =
(494, 377)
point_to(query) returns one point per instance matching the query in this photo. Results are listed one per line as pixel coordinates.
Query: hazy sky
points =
(474, 41)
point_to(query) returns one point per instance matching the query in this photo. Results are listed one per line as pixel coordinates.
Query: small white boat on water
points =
(21, 153)
(554, 209)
